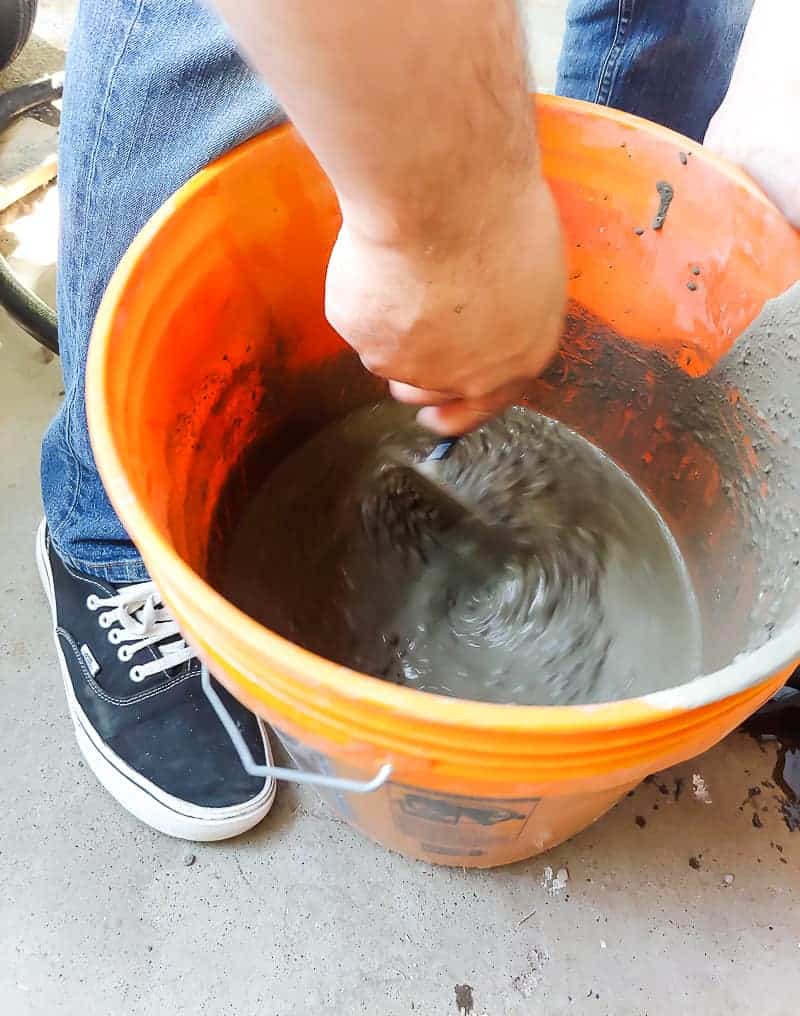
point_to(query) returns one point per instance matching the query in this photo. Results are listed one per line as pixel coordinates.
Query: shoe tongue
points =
(144, 614)
(163, 647)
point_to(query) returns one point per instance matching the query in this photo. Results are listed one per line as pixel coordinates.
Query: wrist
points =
(448, 219)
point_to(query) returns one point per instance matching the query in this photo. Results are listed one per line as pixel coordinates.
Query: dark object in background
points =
(778, 721)
(16, 23)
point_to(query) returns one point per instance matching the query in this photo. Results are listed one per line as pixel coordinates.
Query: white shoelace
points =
(143, 621)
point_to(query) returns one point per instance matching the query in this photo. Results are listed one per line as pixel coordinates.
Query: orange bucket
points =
(211, 342)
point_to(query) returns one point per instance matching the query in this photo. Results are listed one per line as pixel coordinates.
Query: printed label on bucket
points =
(449, 824)
(424, 822)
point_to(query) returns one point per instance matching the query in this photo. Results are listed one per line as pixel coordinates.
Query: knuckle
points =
(376, 363)
(338, 318)
(475, 388)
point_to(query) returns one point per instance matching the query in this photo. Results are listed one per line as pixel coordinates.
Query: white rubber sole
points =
(144, 800)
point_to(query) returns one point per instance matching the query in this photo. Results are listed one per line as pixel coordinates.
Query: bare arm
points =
(447, 275)
(757, 123)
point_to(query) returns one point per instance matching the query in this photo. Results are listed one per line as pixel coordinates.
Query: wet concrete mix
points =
(554, 580)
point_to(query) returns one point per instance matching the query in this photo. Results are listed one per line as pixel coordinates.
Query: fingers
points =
(457, 416)
(453, 419)
(490, 384)
(418, 396)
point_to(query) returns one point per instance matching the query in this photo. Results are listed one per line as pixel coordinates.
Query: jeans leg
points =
(154, 90)
(667, 60)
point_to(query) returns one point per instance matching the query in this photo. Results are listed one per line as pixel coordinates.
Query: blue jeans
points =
(155, 90)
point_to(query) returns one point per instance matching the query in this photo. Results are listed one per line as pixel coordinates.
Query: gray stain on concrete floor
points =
(464, 1001)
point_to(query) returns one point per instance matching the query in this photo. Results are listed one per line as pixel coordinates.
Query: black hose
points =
(27, 97)
(29, 311)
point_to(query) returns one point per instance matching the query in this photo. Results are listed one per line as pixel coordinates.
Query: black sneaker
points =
(141, 718)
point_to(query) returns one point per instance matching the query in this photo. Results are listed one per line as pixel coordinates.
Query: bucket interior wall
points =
(236, 365)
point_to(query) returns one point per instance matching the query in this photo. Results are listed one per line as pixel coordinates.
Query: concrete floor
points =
(101, 917)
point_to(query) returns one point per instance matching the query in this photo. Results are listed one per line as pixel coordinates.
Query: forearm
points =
(418, 112)
(447, 274)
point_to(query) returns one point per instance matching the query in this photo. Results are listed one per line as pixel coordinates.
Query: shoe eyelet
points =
(114, 636)
(104, 620)
(92, 602)
(135, 675)
(124, 654)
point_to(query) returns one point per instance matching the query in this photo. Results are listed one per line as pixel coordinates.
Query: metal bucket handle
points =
(277, 772)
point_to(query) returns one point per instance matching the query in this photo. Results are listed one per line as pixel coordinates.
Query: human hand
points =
(461, 326)
(447, 275)
(755, 126)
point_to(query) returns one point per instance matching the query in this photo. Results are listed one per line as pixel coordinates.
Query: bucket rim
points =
(317, 673)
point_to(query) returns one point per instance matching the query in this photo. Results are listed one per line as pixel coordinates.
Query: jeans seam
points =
(624, 17)
(125, 569)
(81, 272)
(114, 576)
(91, 172)
(73, 459)
(77, 562)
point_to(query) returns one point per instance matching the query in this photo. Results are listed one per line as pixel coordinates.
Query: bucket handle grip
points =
(278, 772)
